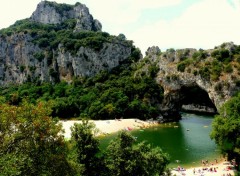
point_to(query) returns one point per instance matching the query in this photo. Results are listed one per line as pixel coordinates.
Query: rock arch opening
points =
(195, 99)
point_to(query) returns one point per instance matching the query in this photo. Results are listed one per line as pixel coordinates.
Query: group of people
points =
(211, 169)
(181, 169)
(227, 174)
(206, 163)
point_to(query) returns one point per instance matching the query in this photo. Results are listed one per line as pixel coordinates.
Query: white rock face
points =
(173, 80)
(18, 64)
(18, 61)
(53, 13)
(89, 62)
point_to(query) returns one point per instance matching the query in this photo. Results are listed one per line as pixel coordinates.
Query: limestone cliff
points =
(54, 13)
(61, 42)
(58, 42)
(202, 80)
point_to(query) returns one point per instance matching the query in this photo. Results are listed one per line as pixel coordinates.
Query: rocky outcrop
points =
(54, 13)
(178, 84)
(88, 62)
(23, 59)
(18, 62)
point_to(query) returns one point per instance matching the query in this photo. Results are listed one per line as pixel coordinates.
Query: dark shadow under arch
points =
(195, 99)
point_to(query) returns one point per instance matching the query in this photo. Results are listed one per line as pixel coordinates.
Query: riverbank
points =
(222, 168)
(110, 126)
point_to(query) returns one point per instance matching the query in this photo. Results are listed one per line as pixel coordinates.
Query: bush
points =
(228, 68)
(218, 87)
(39, 56)
(181, 67)
(199, 55)
(222, 55)
(53, 73)
(22, 68)
(237, 82)
(205, 73)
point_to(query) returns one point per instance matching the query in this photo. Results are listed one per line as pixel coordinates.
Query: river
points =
(187, 142)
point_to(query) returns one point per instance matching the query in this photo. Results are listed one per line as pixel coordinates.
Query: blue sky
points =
(164, 23)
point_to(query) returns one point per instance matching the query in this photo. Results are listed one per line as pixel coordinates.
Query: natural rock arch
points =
(196, 99)
(179, 84)
(191, 98)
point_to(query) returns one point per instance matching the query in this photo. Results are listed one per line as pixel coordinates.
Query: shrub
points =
(181, 67)
(39, 56)
(237, 82)
(22, 68)
(199, 55)
(218, 87)
(228, 68)
(195, 72)
(204, 73)
(221, 55)
(53, 73)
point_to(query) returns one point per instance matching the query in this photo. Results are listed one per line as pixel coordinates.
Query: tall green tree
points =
(226, 128)
(124, 157)
(87, 148)
(31, 142)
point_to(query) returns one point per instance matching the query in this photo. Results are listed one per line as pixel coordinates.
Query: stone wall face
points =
(48, 13)
(173, 80)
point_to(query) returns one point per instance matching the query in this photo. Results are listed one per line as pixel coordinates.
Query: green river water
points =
(187, 142)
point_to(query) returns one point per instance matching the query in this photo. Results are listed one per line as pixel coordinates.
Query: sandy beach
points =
(109, 126)
(217, 169)
(112, 126)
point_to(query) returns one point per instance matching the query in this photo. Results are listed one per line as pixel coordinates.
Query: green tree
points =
(124, 157)
(87, 148)
(226, 129)
(31, 142)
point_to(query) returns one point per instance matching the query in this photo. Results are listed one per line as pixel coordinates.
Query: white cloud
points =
(203, 25)
(119, 13)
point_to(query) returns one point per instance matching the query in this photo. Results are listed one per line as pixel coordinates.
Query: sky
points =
(164, 23)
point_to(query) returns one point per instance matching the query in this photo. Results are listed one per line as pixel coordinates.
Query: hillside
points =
(197, 80)
(58, 42)
(61, 55)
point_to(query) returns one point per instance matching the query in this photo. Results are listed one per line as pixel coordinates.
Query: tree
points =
(31, 142)
(226, 129)
(123, 157)
(87, 148)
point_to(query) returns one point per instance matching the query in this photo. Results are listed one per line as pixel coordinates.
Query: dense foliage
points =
(124, 156)
(226, 129)
(107, 95)
(110, 94)
(86, 148)
(31, 143)
(211, 65)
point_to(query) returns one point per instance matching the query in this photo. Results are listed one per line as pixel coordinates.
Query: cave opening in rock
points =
(195, 99)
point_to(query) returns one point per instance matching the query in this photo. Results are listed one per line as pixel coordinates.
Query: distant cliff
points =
(54, 13)
(196, 80)
(58, 42)
(61, 42)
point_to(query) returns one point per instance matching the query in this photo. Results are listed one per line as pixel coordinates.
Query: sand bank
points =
(216, 169)
(109, 126)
